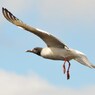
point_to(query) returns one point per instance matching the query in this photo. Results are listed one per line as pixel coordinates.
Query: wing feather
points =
(49, 39)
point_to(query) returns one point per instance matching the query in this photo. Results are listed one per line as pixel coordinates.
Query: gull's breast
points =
(56, 53)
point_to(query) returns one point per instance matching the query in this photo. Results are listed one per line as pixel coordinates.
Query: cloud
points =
(55, 9)
(31, 84)
(68, 9)
(18, 5)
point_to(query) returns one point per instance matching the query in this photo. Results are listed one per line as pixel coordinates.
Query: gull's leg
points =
(64, 68)
(68, 71)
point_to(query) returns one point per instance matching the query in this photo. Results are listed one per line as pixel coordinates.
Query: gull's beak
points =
(29, 50)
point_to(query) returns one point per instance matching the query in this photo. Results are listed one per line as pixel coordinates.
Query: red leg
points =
(64, 68)
(68, 74)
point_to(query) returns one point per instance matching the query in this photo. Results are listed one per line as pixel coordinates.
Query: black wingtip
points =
(4, 9)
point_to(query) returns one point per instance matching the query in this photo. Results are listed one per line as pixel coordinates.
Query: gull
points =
(55, 50)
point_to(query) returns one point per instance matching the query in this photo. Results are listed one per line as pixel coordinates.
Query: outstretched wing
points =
(49, 39)
(84, 60)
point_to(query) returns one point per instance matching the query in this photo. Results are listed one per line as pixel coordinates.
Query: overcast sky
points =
(72, 21)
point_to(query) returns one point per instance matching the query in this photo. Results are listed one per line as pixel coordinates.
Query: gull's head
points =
(36, 50)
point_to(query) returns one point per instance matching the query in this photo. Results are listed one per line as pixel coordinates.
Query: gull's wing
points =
(49, 39)
(84, 60)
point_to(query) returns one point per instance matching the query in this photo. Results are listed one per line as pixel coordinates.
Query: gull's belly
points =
(56, 53)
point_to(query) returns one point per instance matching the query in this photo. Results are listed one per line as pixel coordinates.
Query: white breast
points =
(55, 53)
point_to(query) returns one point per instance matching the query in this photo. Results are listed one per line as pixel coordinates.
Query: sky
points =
(21, 73)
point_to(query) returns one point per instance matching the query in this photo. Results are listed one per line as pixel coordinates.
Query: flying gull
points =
(55, 50)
